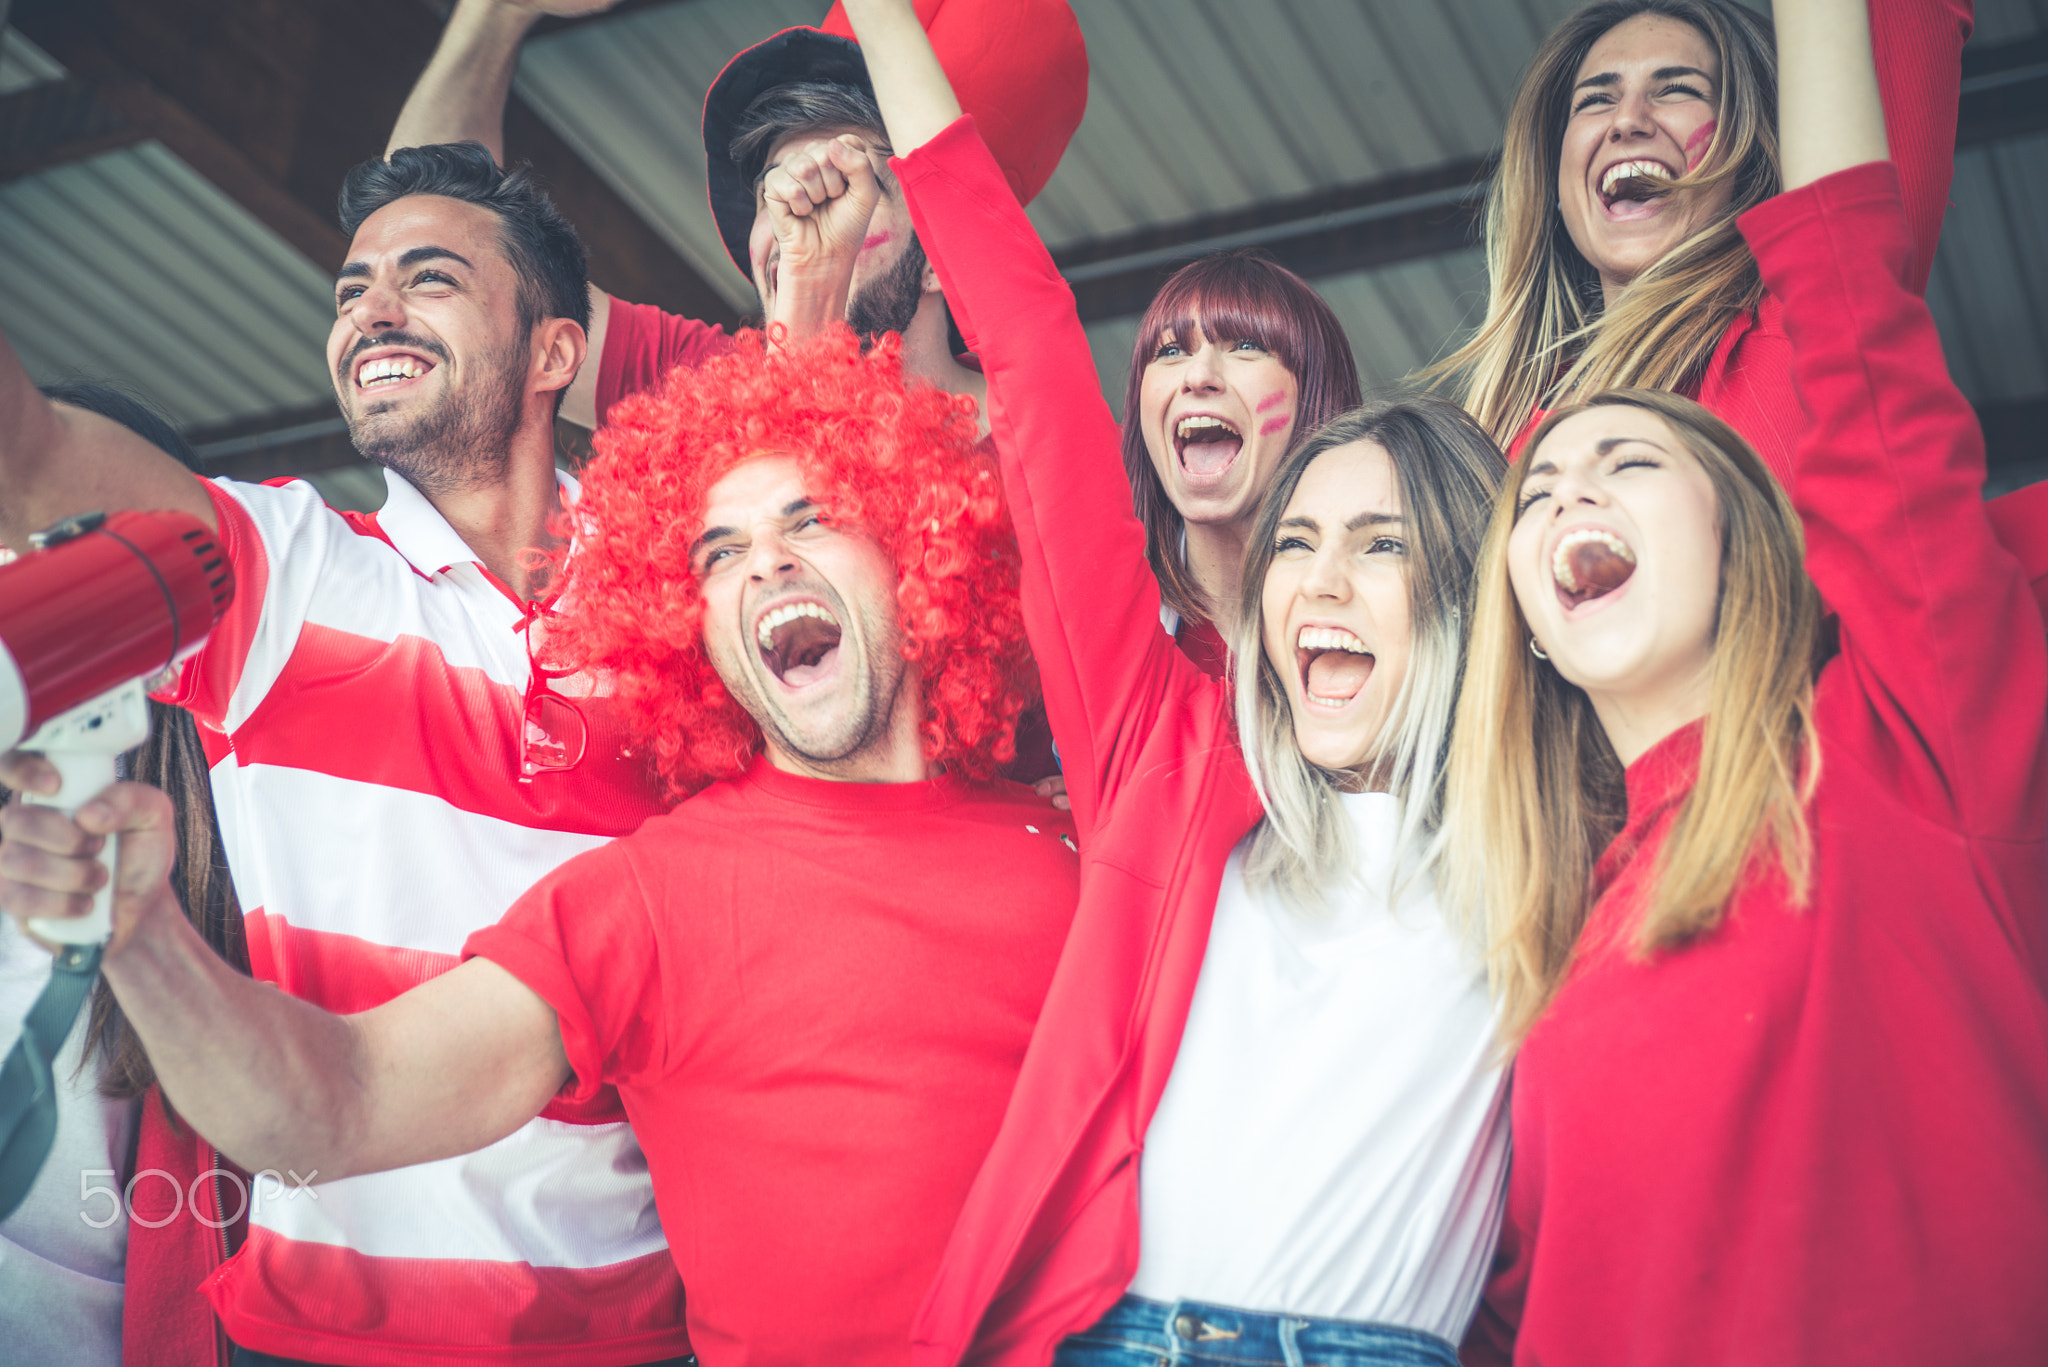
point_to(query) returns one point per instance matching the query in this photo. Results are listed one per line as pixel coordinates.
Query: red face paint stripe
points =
(1696, 145)
(1272, 400)
(1272, 425)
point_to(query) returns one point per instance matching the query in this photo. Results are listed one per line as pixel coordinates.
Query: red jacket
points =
(175, 1243)
(1048, 1238)
(1820, 1133)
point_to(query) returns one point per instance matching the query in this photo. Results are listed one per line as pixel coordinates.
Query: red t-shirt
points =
(813, 998)
(642, 344)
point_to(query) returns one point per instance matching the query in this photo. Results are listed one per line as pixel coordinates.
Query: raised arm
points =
(1918, 48)
(57, 461)
(1943, 678)
(461, 96)
(1830, 116)
(1090, 601)
(275, 1082)
(911, 87)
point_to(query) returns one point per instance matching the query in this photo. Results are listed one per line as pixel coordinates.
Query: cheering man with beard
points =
(812, 982)
(791, 123)
(391, 771)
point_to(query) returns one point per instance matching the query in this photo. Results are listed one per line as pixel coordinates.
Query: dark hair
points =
(540, 243)
(1245, 295)
(780, 110)
(131, 410)
(174, 760)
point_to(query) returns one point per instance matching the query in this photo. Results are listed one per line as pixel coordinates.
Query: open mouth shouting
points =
(1206, 447)
(1632, 189)
(383, 371)
(1589, 563)
(799, 642)
(1334, 665)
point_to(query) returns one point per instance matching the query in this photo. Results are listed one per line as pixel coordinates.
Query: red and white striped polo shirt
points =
(364, 702)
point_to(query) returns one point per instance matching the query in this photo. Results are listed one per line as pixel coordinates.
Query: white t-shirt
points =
(1333, 1141)
(60, 1277)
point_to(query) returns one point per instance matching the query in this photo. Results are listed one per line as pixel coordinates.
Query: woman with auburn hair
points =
(1640, 132)
(1236, 359)
(1272, 1008)
(1768, 915)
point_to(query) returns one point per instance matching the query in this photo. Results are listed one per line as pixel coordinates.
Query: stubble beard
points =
(463, 442)
(889, 302)
(879, 678)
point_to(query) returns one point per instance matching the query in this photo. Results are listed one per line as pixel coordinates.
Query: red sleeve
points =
(1090, 602)
(583, 940)
(1943, 677)
(1918, 49)
(1918, 46)
(206, 682)
(2021, 520)
(642, 344)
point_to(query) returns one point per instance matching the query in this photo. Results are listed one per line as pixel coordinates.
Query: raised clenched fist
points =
(820, 196)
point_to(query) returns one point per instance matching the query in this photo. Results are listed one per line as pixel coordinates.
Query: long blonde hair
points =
(1546, 334)
(1535, 791)
(1445, 470)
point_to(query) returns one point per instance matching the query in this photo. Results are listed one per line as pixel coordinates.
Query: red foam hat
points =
(1018, 66)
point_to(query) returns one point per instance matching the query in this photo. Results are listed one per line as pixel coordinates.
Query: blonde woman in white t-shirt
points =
(1272, 1017)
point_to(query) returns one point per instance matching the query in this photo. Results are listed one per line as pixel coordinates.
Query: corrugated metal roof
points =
(130, 266)
(1193, 108)
(1201, 107)
(1990, 287)
(628, 95)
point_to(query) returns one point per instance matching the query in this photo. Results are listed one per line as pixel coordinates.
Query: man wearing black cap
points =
(796, 165)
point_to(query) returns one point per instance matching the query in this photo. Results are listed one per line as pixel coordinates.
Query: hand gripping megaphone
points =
(104, 604)
(100, 607)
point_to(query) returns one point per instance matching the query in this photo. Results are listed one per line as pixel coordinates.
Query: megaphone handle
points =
(85, 775)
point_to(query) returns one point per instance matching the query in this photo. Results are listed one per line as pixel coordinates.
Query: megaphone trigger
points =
(102, 604)
(83, 745)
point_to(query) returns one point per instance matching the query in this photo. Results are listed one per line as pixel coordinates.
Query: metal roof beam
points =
(2005, 91)
(298, 442)
(56, 123)
(274, 103)
(1355, 227)
(2014, 453)
(313, 441)
(2004, 95)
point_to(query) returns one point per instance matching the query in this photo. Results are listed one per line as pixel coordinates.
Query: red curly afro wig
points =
(897, 460)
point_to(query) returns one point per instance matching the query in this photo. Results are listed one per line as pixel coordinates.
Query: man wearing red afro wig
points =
(792, 122)
(813, 981)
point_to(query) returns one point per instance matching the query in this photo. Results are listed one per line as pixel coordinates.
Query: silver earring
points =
(1536, 650)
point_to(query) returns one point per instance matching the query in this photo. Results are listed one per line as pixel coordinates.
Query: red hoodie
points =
(175, 1243)
(1820, 1133)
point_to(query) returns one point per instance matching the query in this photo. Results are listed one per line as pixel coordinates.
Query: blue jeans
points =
(1141, 1333)
(245, 1358)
